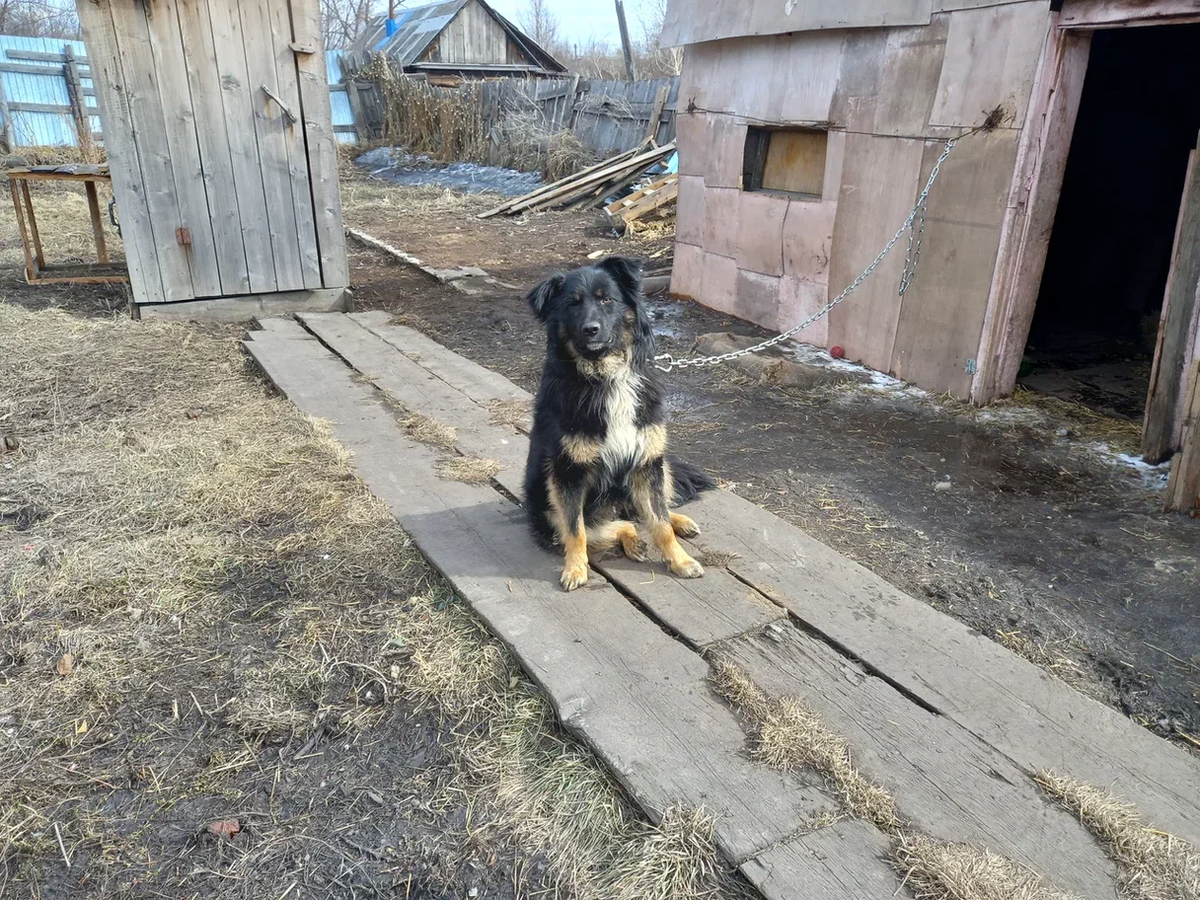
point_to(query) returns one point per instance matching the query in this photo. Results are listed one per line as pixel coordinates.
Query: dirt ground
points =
(1023, 520)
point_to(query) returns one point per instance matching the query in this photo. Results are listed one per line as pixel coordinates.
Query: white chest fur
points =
(622, 444)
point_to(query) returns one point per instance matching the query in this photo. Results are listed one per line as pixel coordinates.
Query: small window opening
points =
(786, 161)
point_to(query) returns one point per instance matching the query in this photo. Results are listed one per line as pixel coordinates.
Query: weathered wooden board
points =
(212, 139)
(716, 607)
(145, 274)
(1016, 707)
(478, 382)
(637, 697)
(1163, 423)
(287, 87)
(271, 132)
(237, 103)
(941, 314)
(1183, 490)
(879, 187)
(1124, 12)
(161, 44)
(694, 21)
(846, 861)
(419, 390)
(473, 36)
(991, 57)
(153, 152)
(947, 783)
(322, 146)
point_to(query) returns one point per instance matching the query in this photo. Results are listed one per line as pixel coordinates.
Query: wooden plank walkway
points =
(950, 723)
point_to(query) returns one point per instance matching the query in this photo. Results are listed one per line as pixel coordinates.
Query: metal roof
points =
(417, 27)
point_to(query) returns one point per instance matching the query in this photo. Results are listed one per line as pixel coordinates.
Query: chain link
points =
(914, 225)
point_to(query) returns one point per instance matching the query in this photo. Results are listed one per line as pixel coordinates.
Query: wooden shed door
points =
(211, 136)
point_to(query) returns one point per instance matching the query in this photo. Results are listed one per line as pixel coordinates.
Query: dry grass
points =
(514, 414)
(64, 225)
(468, 469)
(935, 870)
(1153, 865)
(230, 594)
(788, 735)
(791, 736)
(1124, 435)
(428, 430)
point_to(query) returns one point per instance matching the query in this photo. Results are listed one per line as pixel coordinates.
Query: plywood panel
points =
(991, 58)
(689, 210)
(795, 162)
(800, 298)
(878, 190)
(693, 21)
(721, 215)
(760, 232)
(889, 78)
(720, 283)
(687, 271)
(712, 147)
(145, 277)
(941, 316)
(808, 238)
(757, 298)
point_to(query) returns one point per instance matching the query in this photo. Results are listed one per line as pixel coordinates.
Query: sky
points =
(579, 19)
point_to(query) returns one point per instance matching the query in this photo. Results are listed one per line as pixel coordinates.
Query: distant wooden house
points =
(1061, 236)
(224, 168)
(452, 41)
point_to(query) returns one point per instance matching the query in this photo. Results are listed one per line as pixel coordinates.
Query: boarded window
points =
(788, 161)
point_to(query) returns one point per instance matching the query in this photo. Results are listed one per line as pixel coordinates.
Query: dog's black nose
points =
(591, 329)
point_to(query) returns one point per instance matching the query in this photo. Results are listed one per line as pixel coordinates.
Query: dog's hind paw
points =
(634, 548)
(687, 568)
(573, 577)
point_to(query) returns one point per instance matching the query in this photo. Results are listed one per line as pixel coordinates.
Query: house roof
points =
(417, 27)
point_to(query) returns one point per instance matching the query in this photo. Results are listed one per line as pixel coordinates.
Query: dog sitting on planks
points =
(597, 452)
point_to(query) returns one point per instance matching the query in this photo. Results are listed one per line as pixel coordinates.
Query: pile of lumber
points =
(592, 186)
(651, 198)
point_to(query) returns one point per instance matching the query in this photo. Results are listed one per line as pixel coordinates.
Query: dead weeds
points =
(1153, 864)
(468, 469)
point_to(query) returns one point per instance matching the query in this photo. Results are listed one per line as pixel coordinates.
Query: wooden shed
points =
(452, 41)
(1065, 241)
(217, 129)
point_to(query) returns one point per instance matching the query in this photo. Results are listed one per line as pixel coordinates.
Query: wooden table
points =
(36, 270)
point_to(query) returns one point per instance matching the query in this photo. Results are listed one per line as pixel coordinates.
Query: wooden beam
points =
(1183, 489)
(1160, 435)
(626, 47)
(656, 112)
(6, 113)
(83, 122)
(93, 199)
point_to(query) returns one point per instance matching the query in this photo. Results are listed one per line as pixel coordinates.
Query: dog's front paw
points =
(686, 567)
(573, 577)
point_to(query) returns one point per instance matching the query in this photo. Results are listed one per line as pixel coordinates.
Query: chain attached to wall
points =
(914, 225)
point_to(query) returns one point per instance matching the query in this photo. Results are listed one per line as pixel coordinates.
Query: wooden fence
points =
(607, 116)
(61, 87)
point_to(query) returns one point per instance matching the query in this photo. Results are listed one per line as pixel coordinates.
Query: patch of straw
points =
(468, 469)
(1154, 865)
(513, 413)
(428, 430)
(791, 736)
(936, 870)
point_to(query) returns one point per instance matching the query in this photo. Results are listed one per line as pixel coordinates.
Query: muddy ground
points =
(1021, 520)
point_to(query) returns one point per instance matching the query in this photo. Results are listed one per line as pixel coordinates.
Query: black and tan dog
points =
(597, 454)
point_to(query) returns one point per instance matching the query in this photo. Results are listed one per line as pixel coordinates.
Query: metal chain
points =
(914, 225)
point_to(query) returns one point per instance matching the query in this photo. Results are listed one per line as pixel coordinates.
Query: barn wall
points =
(473, 36)
(890, 98)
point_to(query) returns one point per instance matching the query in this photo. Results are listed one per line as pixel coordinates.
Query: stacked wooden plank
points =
(591, 186)
(652, 198)
(1183, 490)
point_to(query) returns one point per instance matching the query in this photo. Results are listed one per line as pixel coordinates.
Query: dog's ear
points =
(626, 271)
(542, 296)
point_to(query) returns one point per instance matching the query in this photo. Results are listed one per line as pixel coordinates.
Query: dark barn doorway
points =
(1094, 327)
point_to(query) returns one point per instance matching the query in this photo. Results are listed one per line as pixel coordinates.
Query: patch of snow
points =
(395, 164)
(1153, 476)
(809, 355)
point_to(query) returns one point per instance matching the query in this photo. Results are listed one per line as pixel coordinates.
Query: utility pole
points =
(625, 39)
